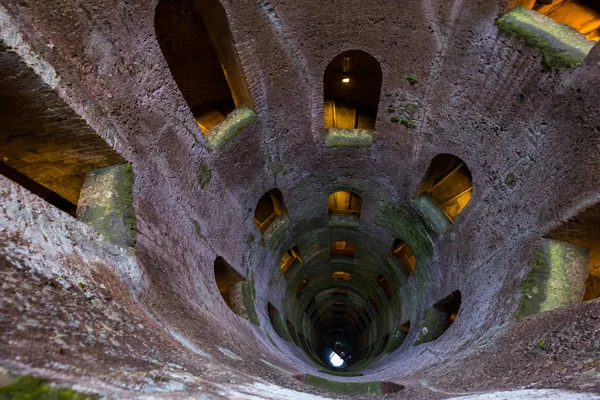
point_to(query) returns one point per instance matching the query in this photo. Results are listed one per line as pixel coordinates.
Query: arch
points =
(445, 190)
(344, 202)
(440, 317)
(289, 258)
(237, 292)
(277, 322)
(342, 249)
(565, 265)
(351, 86)
(269, 207)
(195, 39)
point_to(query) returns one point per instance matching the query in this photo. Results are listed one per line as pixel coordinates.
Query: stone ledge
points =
(276, 230)
(350, 388)
(434, 217)
(235, 122)
(560, 45)
(106, 203)
(344, 220)
(335, 137)
(557, 277)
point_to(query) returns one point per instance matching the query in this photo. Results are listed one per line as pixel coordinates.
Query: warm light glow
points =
(345, 80)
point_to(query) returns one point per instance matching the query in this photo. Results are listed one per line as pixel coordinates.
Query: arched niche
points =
(352, 85)
(195, 39)
(445, 191)
(237, 292)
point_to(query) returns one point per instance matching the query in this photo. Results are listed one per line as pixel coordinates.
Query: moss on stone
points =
(408, 123)
(395, 119)
(349, 388)
(412, 79)
(559, 44)
(276, 167)
(274, 232)
(271, 339)
(434, 326)
(396, 339)
(203, 174)
(27, 387)
(106, 203)
(405, 224)
(198, 229)
(340, 372)
(435, 218)
(557, 277)
(344, 220)
(348, 137)
(235, 122)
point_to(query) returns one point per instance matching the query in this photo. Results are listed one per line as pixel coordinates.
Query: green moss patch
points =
(433, 215)
(344, 220)
(235, 122)
(203, 174)
(275, 231)
(106, 203)
(559, 44)
(557, 277)
(28, 387)
(351, 388)
(336, 137)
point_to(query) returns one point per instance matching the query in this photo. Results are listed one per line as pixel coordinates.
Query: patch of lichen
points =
(203, 174)
(248, 296)
(556, 278)
(436, 220)
(107, 203)
(405, 224)
(235, 122)
(348, 137)
(27, 387)
(274, 232)
(559, 44)
(349, 388)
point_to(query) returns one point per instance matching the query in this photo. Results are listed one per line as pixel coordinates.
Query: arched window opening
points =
(342, 249)
(403, 253)
(277, 322)
(440, 317)
(341, 275)
(399, 336)
(48, 149)
(583, 231)
(196, 42)
(236, 291)
(352, 85)
(344, 203)
(565, 265)
(269, 208)
(386, 285)
(581, 15)
(289, 258)
(448, 183)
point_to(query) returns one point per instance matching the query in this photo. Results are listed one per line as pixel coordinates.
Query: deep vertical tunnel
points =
(300, 199)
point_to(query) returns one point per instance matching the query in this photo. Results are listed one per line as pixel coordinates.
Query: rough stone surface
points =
(106, 203)
(484, 97)
(235, 122)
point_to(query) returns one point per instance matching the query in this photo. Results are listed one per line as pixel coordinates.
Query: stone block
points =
(335, 137)
(235, 122)
(106, 203)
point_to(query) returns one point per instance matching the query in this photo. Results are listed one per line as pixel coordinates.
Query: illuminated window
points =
(226, 277)
(288, 259)
(343, 202)
(581, 15)
(196, 42)
(269, 207)
(404, 253)
(340, 275)
(448, 181)
(352, 84)
(341, 248)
